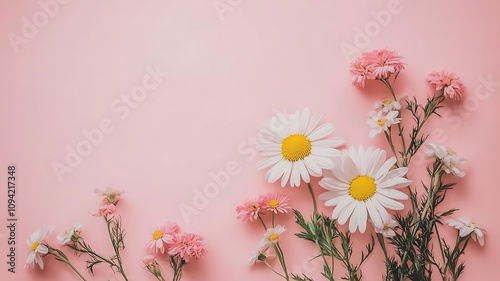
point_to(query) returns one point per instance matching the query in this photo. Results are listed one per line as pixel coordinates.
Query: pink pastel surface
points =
(229, 70)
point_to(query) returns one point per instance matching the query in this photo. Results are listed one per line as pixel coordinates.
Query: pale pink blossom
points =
(387, 229)
(378, 64)
(249, 211)
(107, 211)
(361, 71)
(276, 202)
(148, 260)
(188, 246)
(449, 82)
(466, 227)
(162, 237)
(383, 63)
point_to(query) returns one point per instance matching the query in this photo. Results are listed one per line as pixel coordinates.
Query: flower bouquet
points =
(367, 187)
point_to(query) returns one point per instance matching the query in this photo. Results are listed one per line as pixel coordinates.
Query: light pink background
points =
(228, 73)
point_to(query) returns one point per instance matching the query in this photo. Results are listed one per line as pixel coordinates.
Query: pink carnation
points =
(249, 211)
(383, 63)
(361, 71)
(188, 246)
(276, 203)
(163, 235)
(448, 81)
(107, 211)
(378, 64)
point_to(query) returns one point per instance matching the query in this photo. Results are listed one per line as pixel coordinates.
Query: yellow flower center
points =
(274, 236)
(273, 203)
(157, 235)
(386, 101)
(296, 147)
(362, 188)
(35, 245)
(381, 122)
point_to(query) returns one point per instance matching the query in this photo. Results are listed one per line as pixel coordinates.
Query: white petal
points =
(392, 193)
(341, 206)
(322, 162)
(321, 132)
(331, 142)
(303, 171)
(304, 121)
(349, 169)
(388, 203)
(276, 171)
(375, 162)
(286, 174)
(347, 211)
(394, 183)
(362, 216)
(374, 214)
(335, 199)
(295, 176)
(385, 167)
(312, 167)
(333, 184)
(313, 122)
(353, 223)
(324, 151)
(396, 173)
(269, 161)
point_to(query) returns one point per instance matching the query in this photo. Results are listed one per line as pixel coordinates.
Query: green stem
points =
(389, 140)
(87, 250)
(436, 176)
(262, 221)
(381, 241)
(117, 251)
(443, 272)
(275, 270)
(281, 257)
(63, 258)
(404, 151)
(313, 198)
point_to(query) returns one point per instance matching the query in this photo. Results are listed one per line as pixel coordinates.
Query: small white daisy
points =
(71, 234)
(263, 252)
(297, 148)
(272, 236)
(111, 195)
(448, 157)
(387, 105)
(380, 121)
(466, 227)
(387, 229)
(38, 249)
(362, 183)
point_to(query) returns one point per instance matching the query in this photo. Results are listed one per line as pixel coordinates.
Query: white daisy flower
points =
(263, 252)
(38, 249)
(71, 234)
(448, 157)
(387, 229)
(380, 121)
(272, 236)
(110, 194)
(362, 183)
(387, 105)
(296, 147)
(466, 227)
